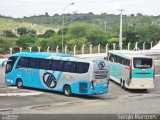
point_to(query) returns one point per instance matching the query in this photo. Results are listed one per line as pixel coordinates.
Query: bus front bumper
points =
(140, 86)
(99, 90)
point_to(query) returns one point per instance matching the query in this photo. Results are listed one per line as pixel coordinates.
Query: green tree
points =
(54, 41)
(33, 32)
(49, 33)
(5, 44)
(77, 41)
(78, 30)
(65, 30)
(96, 37)
(9, 33)
(25, 41)
(42, 42)
(21, 31)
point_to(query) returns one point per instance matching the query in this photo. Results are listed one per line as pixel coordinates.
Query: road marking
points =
(157, 75)
(21, 94)
(4, 110)
(12, 87)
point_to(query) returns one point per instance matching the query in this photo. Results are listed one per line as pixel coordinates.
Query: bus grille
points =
(83, 87)
(100, 76)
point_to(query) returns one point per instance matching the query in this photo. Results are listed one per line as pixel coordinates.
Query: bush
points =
(25, 41)
(49, 33)
(9, 33)
(5, 44)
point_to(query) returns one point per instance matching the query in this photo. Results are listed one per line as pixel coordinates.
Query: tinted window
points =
(112, 58)
(142, 63)
(45, 64)
(23, 62)
(33, 63)
(126, 62)
(57, 65)
(69, 66)
(82, 67)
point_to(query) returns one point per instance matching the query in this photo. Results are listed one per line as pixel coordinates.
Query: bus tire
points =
(19, 83)
(67, 90)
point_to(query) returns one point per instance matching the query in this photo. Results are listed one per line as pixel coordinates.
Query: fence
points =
(84, 49)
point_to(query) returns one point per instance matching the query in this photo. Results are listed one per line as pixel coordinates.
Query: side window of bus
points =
(33, 63)
(82, 67)
(45, 64)
(121, 60)
(57, 65)
(69, 66)
(23, 62)
(125, 62)
(111, 58)
(116, 59)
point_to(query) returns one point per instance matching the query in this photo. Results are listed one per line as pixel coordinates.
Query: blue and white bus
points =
(131, 69)
(59, 72)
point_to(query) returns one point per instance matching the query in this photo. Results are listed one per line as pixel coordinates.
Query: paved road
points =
(116, 101)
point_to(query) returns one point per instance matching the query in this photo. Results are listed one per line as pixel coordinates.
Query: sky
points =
(21, 8)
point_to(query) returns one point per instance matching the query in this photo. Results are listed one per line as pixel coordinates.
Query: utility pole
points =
(63, 23)
(120, 32)
(105, 27)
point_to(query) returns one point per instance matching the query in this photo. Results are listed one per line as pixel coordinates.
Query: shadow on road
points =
(131, 90)
(88, 97)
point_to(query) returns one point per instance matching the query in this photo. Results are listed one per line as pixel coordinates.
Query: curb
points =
(157, 75)
(21, 94)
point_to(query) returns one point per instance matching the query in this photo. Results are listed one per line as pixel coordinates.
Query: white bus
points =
(131, 69)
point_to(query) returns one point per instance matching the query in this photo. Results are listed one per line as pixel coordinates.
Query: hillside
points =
(79, 29)
(12, 24)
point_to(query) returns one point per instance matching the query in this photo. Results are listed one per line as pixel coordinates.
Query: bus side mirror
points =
(5, 61)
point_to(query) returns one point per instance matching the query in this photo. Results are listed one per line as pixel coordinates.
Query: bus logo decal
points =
(49, 80)
(101, 64)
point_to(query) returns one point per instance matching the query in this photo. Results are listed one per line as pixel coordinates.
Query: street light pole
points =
(120, 32)
(63, 23)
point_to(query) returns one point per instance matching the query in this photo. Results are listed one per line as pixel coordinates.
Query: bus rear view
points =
(141, 72)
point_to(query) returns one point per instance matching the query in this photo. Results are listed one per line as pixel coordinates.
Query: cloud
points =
(20, 8)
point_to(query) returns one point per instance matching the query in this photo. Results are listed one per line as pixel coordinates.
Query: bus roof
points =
(54, 56)
(41, 54)
(128, 54)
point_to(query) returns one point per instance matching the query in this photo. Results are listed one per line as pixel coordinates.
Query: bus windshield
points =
(10, 64)
(142, 63)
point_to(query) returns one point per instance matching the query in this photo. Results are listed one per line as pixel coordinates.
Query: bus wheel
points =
(19, 83)
(67, 90)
